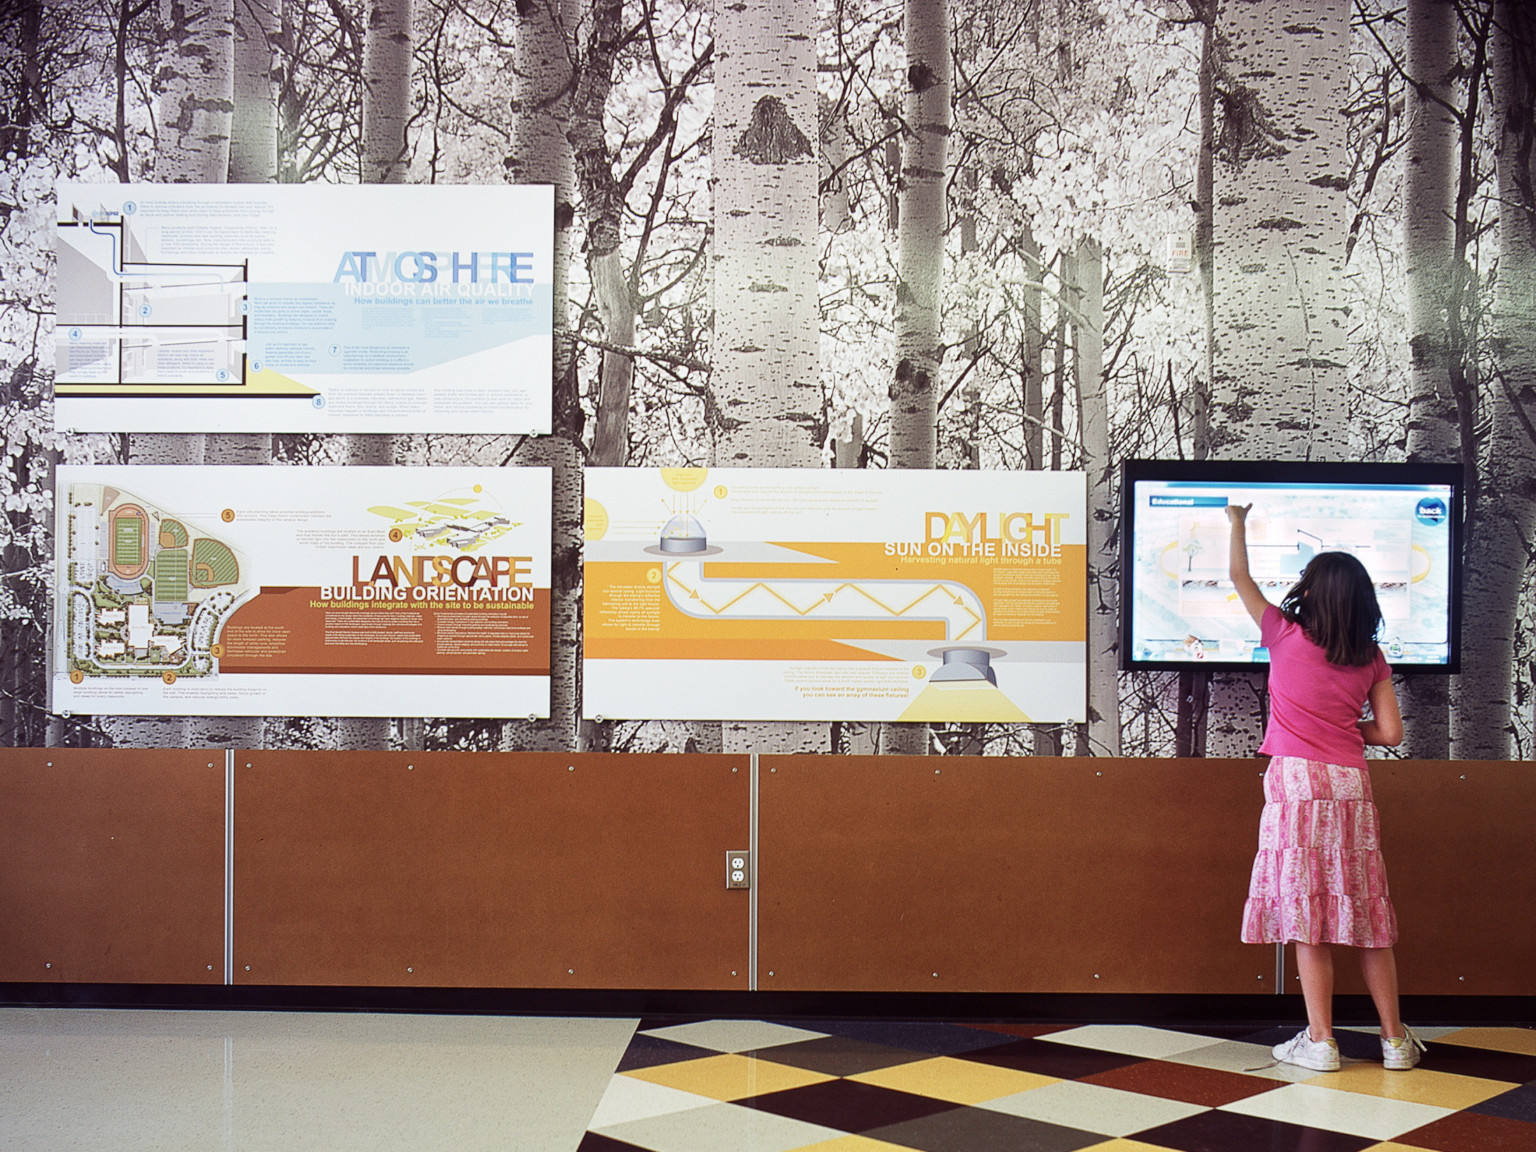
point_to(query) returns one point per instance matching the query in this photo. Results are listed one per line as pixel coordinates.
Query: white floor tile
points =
(733, 1035)
(1093, 1108)
(1132, 1040)
(627, 1098)
(722, 1128)
(1373, 1117)
(1236, 1056)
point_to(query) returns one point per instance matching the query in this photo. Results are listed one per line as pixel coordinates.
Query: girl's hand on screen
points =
(1238, 513)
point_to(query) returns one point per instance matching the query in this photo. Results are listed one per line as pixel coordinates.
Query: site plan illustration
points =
(147, 592)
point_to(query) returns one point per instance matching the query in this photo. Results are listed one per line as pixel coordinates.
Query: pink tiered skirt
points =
(1318, 877)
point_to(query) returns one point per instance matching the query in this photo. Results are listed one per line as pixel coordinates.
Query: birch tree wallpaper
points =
(969, 234)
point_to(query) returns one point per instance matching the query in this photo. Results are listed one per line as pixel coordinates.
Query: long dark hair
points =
(1335, 602)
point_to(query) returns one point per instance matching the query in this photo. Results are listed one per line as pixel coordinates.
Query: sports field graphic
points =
(145, 594)
(776, 595)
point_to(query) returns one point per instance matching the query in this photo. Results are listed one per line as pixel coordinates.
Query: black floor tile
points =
(1483, 1062)
(1234, 1132)
(838, 1055)
(651, 1051)
(978, 1130)
(1064, 1061)
(848, 1105)
(592, 1142)
(1516, 1104)
(934, 1039)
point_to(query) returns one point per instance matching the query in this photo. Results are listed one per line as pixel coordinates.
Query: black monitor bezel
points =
(1282, 472)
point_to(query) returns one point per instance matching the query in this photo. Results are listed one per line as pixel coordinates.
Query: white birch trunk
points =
(195, 85)
(767, 328)
(914, 393)
(386, 91)
(541, 154)
(920, 277)
(387, 72)
(1103, 538)
(603, 206)
(767, 322)
(1500, 536)
(1429, 238)
(253, 129)
(1278, 379)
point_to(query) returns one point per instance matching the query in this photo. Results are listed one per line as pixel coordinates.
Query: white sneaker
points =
(1400, 1053)
(1302, 1050)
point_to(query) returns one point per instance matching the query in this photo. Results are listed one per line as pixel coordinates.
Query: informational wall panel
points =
(112, 865)
(532, 870)
(304, 308)
(229, 591)
(765, 594)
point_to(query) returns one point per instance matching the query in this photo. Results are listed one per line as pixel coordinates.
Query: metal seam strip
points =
(1279, 969)
(757, 871)
(229, 866)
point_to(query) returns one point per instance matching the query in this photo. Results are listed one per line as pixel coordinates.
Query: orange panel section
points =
(112, 865)
(1461, 863)
(1007, 875)
(530, 870)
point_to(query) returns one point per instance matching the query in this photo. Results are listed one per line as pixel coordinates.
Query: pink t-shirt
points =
(1313, 705)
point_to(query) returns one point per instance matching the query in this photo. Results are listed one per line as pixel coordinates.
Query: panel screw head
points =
(210, 967)
(770, 973)
(410, 969)
(247, 967)
(733, 971)
(570, 971)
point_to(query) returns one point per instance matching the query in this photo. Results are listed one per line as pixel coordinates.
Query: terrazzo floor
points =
(77, 1079)
(840, 1086)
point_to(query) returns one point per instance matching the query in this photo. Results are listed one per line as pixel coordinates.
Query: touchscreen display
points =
(1183, 607)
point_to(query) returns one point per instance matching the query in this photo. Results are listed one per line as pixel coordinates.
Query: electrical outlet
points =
(738, 869)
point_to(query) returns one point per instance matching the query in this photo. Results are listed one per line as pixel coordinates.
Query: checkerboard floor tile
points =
(874, 1086)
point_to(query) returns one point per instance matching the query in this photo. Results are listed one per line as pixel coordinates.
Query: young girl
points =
(1318, 877)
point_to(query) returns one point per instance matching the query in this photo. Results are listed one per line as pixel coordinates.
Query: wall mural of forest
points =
(996, 234)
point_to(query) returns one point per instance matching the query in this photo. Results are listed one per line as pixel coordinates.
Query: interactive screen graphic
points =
(303, 308)
(231, 591)
(768, 594)
(1182, 607)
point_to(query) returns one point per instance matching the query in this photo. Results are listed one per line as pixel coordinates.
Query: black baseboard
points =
(1021, 1007)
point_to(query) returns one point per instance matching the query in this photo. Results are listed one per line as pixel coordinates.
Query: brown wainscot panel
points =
(1459, 839)
(111, 865)
(1029, 875)
(530, 870)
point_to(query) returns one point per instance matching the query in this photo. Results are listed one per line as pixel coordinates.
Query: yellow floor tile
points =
(1126, 1144)
(860, 1144)
(1520, 1040)
(958, 1081)
(728, 1077)
(1384, 1146)
(1419, 1086)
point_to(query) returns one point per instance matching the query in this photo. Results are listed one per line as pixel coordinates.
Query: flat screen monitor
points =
(1178, 607)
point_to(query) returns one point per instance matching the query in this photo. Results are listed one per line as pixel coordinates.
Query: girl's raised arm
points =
(1237, 563)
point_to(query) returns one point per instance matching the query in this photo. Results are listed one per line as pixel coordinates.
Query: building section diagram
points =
(769, 595)
(128, 324)
(145, 593)
(295, 308)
